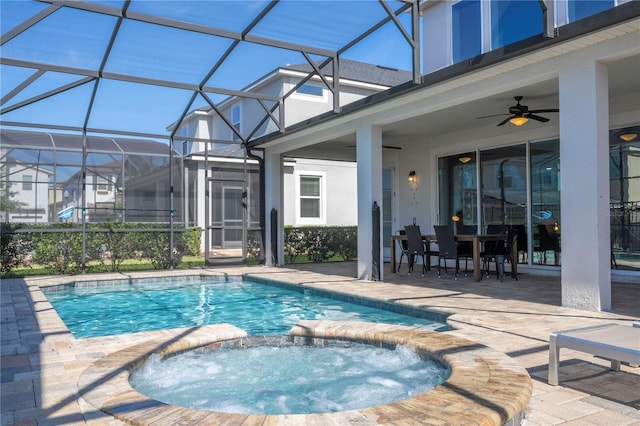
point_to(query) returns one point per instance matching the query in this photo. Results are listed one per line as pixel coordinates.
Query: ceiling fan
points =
(520, 114)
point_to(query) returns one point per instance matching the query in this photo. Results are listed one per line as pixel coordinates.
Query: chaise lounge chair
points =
(612, 341)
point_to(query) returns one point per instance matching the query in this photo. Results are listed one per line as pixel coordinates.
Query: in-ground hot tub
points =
(286, 375)
(485, 386)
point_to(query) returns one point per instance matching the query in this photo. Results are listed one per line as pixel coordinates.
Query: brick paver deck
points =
(42, 364)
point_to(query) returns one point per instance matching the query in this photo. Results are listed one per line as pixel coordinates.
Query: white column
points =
(201, 183)
(584, 165)
(369, 160)
(273, 200)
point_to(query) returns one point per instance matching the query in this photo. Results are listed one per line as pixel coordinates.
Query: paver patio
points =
(42, 362)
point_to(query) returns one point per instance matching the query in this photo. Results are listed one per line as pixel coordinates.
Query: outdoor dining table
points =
(476, 239)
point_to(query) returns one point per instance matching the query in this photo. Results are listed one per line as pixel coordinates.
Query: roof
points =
(360, 71)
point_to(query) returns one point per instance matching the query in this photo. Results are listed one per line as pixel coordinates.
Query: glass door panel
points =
(624, 184)
(504, 192)
(545, 202)
(457, 190)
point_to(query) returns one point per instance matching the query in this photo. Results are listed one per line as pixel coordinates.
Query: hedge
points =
(320, 243)
(108, 243)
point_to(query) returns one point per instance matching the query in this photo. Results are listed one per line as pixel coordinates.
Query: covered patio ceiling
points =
(624, 85)
(135, 67)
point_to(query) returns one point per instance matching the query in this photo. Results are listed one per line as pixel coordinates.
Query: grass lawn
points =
(136, 265)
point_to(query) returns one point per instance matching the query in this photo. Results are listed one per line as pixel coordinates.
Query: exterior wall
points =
(338, 195)
(437, 29)
(34, 202)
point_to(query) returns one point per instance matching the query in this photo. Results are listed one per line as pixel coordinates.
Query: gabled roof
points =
(360, 71)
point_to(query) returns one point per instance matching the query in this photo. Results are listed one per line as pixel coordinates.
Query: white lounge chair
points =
(612, 341)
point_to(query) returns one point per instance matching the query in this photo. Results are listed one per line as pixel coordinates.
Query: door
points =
(224, 230)
(232, 217)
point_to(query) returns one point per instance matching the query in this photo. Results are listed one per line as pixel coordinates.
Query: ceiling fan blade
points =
(544, 110)
(537, 117)
(494, 115)
(505, 121)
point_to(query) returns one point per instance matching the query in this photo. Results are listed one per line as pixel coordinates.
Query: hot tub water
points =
(289, 379)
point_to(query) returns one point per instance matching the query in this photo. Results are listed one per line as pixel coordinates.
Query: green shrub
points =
(320, 243)
(61, 252)
(192, 239)
(111, 247)
(14, 249)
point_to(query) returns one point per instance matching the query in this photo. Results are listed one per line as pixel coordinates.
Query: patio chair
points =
(548, 240)
(415, 247)
(498, 253)
(522, 242)
(449, 248)
(404, 248)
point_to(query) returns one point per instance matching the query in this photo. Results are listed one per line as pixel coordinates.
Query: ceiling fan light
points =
(518, 121)
(464, 159)
(628, 137)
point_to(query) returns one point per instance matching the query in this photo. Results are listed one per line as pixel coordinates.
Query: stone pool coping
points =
(486, 387)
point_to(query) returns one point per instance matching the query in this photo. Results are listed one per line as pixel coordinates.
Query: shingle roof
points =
(360, 71)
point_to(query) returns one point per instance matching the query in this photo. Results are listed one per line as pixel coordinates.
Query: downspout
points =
(171, 211)
(548, 18)
(260, 161)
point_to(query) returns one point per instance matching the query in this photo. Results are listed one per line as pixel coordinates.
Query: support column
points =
(369, 160)
(273, 200)
(584, 165)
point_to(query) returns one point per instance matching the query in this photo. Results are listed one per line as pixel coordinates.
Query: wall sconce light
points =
(518, 120)
(412, 176)
(628, 137)
(464, 159)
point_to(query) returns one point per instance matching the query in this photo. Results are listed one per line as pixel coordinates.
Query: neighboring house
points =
(43, 174)
(472, 149)
(318, 190)
(25, 190)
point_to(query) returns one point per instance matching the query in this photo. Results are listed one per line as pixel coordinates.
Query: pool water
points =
(259, 309)
(296, 379)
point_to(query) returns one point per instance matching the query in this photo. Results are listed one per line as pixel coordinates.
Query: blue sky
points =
(78, 39)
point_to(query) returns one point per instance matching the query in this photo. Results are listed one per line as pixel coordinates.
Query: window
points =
(514, 20)
(27, 182)
(466, 27)
(102, 183)
(235, 121)
(579, 9)
(311, 90)
(310, 196)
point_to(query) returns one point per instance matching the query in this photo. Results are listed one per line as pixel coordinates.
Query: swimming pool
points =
(103, 308)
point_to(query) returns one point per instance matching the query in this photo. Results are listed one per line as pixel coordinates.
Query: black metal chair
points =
(495, 246)
(449, 248)
(415, 247)
(404, 248)
(548, 240)
(500, 253)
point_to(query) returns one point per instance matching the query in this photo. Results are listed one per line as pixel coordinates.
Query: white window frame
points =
(236, 124)
(27, 182)
(102, 183)
(323, 198)
(315, 98)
